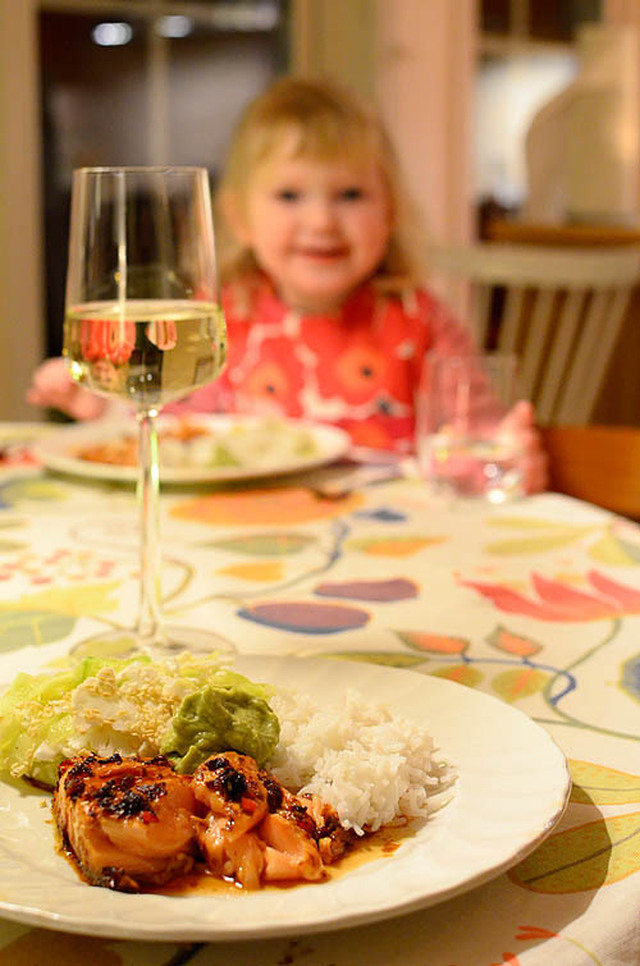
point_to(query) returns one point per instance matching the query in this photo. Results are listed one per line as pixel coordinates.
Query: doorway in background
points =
(143, 83)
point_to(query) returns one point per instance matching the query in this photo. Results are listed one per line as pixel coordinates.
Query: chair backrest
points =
(560, 309)
(599, 464)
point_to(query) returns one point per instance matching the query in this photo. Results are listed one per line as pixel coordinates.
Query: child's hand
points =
(53, 388)
(520, 422)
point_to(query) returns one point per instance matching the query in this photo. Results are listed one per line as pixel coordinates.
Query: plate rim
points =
(333, 442)
(100, 925)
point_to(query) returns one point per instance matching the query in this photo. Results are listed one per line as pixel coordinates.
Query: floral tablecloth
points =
(537, 603)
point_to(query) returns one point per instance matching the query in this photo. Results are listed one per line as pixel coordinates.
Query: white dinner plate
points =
(58, 452)
(511, 790)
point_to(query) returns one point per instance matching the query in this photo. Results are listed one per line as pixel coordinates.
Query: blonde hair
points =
(324, 122)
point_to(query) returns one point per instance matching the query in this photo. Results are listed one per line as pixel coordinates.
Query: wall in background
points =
(22, 337)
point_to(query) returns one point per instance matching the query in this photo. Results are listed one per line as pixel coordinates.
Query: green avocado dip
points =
(220, 718)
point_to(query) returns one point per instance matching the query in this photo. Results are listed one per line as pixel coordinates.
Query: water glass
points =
(464, 448)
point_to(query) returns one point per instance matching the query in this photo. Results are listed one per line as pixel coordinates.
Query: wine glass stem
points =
(149, 619)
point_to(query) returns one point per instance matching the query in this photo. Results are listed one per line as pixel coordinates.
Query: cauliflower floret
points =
(128, 710)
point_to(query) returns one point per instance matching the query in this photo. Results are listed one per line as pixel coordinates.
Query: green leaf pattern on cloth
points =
(593, 853)
(465, 674)
(21, 490)
(519, 683)
(523, 546)
(511, 643)
(31, 628)
(600, 785)
(50, 615)
(583, 858)
(264, 544)
(610, 543)
(608, 550)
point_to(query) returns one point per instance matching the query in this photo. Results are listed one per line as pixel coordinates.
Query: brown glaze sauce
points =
(379, 845)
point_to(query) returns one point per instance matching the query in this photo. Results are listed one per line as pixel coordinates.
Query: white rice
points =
(373, 766)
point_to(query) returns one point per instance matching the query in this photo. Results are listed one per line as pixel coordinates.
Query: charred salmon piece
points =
(333, 839)
(230, 787)
(126, 821)
(290, 833)
(294, 822)
(245, 841)
(291, 852)
(231, 856)
(256, 831)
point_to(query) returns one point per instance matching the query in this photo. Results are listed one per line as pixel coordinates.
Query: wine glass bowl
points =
(142, 317)
(142, 262)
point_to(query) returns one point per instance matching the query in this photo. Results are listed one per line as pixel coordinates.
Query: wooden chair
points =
(599, 464)
(560, 309)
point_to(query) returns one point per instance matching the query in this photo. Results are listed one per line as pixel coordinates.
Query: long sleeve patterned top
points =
(358, 369)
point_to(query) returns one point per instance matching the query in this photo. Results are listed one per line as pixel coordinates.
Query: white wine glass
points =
(143, 322)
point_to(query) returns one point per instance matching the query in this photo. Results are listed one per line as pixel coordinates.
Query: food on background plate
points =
(187, 442)
(171, 765)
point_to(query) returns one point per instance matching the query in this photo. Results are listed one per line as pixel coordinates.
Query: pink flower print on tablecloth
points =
(75, 566)
(553, 600)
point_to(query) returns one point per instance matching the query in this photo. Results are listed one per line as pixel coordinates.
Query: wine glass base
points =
(171, 642)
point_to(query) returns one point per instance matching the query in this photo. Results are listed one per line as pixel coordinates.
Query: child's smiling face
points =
(317, 228)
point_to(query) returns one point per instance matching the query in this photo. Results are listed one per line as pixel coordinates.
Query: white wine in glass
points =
(143, 322)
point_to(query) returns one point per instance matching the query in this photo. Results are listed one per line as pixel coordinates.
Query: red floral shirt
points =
(358, 369)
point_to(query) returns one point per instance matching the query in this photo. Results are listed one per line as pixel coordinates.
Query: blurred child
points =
(321, 290)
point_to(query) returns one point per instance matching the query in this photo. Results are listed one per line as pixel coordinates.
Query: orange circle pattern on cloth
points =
(265, 506)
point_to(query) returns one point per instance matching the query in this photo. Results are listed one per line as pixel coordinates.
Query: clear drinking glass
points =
(464, 448)
(143, 321)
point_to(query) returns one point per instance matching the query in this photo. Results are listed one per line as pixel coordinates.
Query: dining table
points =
(532, 607)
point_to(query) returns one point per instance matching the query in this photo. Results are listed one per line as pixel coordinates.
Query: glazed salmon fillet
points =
(132, 824)
(257, 831)
(127, 821)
